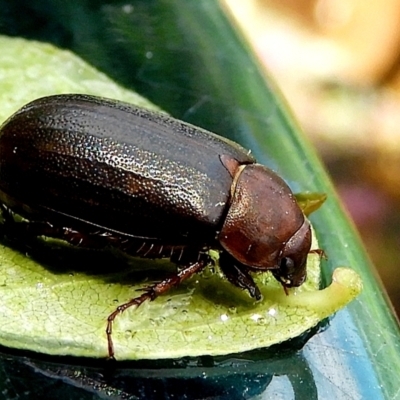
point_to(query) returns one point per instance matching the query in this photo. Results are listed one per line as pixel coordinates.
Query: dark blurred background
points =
(338, 64)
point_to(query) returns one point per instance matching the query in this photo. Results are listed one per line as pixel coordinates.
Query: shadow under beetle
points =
(97, 172)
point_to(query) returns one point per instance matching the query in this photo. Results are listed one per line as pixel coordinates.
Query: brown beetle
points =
(99, 172)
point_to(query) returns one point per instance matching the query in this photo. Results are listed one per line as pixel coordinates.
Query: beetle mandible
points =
(98, 172)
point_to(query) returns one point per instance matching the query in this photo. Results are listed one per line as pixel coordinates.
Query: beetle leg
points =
(6, 214)
(71, 236)
(320, 252)
(15, 230)
(152, 292)
(30, 229)
(238, 274)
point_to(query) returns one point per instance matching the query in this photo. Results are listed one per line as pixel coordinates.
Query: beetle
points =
(97, 172)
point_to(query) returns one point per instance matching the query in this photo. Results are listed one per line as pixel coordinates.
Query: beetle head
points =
(265, 228)
(292, 268)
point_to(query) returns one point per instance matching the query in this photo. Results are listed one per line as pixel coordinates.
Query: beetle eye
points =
(287, 266)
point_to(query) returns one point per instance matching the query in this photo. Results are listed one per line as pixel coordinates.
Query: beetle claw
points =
(286, 290)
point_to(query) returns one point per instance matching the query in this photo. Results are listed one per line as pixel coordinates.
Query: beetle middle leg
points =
(153, 291)
(238, 274)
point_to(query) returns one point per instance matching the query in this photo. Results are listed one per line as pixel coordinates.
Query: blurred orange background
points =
(338, 65)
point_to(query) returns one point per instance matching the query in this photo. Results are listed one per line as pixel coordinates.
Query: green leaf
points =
(30, 70)
(54, 307)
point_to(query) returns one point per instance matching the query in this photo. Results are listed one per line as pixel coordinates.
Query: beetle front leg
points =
(238, 274)
(152, 292)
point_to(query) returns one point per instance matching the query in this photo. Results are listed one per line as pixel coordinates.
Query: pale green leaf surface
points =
(29, 70)
(62, 312)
